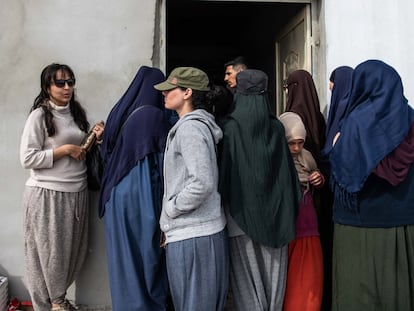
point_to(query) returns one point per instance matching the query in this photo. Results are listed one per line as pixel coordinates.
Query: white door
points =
(293, 51)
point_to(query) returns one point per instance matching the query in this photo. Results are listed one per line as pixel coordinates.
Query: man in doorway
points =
(232, 68)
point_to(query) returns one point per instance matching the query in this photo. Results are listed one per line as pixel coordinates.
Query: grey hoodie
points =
(191, 203)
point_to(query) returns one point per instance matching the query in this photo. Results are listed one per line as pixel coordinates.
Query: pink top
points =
(307, 220)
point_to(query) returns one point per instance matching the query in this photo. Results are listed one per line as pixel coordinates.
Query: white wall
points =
(105, 42)
(371, 29)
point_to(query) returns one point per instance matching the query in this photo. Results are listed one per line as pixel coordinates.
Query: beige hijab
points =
(304, 161)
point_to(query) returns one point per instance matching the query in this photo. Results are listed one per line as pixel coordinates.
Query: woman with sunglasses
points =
(56, 195)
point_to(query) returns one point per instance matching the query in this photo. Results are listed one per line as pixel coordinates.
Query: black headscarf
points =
(258, 180)
(303, 100)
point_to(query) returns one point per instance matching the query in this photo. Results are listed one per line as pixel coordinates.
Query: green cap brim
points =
(165, 86)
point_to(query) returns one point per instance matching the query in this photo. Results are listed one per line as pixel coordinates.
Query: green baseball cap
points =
(188, 77)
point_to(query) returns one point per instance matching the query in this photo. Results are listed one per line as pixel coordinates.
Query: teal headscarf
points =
(258, 180)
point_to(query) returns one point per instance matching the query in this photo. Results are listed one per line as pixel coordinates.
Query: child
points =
(305, 263)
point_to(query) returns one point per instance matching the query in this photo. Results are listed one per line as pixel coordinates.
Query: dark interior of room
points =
(207, 34)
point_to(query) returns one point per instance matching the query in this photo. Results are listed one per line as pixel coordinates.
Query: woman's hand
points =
(74, 151)
(98, 129)
(336, 138)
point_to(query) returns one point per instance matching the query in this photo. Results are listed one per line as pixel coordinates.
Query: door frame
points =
(317, 39)
(305, 17)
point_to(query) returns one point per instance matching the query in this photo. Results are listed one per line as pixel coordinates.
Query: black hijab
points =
(303, 100)
(258, 179)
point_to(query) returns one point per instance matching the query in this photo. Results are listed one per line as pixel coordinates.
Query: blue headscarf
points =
(341, 78)
(136, 126)
(376, 121)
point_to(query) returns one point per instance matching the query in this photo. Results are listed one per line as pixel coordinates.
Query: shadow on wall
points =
(91, 289)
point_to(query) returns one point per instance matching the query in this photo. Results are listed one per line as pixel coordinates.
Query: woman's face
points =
(61, 89)
(177, 99)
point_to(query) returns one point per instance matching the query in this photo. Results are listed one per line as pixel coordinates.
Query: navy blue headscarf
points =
(341, 78)
(377, 119)
(142, 108)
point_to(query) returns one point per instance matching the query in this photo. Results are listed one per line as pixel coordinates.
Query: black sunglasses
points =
(61, 83)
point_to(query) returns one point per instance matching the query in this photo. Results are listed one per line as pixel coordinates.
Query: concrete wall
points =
(105, 42)
(381, 29)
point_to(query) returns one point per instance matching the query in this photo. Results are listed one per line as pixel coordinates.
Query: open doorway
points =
(207, 34)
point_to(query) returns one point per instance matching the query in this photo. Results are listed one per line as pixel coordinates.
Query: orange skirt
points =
(304, 285)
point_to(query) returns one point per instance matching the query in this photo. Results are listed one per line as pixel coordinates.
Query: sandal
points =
(65, 306)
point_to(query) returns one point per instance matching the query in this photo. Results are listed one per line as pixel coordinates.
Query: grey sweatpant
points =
(198, 272)
(56, 228)
(257, 275)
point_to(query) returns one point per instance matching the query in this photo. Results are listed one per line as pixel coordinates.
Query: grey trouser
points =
(55, 233)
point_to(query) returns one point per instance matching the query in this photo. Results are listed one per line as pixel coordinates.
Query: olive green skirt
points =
(373, 269)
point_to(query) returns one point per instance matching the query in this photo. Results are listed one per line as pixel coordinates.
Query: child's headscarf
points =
(304, 161)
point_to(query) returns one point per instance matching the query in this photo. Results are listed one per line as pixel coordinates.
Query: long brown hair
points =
(47, 76)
